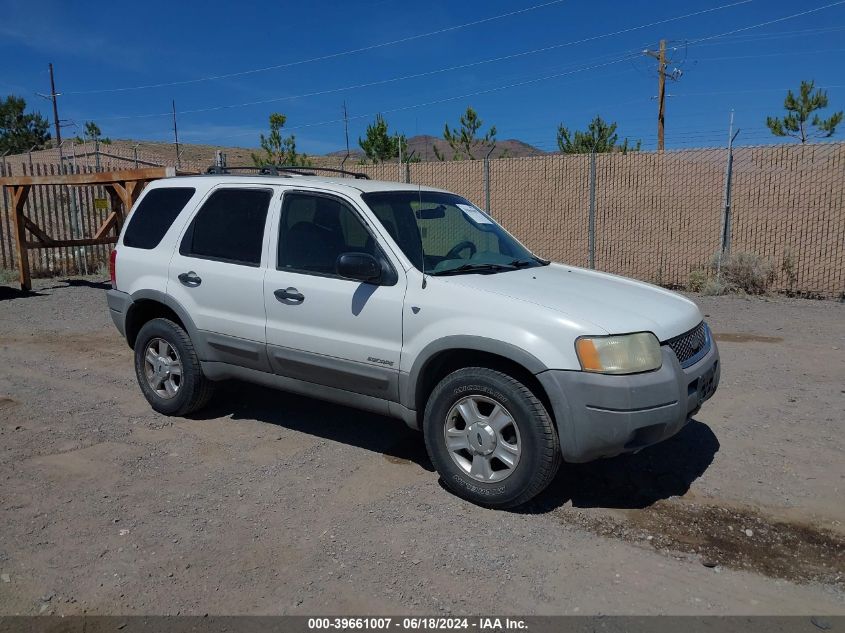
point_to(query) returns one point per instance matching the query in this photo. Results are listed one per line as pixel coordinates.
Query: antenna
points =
(346, 131)
(176, 134)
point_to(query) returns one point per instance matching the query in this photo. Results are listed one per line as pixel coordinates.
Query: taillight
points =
(113, 267)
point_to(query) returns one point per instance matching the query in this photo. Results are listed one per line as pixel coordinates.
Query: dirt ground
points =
(268, 503)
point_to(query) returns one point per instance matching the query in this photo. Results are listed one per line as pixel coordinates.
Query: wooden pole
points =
(19, 195)
(53, 96)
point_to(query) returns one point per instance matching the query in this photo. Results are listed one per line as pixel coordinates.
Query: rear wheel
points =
(490, 438)
(168, 369)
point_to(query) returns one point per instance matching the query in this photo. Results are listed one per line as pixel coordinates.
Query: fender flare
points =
(409, 382)
(170, 302)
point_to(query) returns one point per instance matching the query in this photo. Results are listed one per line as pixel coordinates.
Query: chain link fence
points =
(652, 216)
(659, 216)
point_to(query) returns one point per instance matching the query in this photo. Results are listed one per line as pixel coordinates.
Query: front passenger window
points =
(315, 230)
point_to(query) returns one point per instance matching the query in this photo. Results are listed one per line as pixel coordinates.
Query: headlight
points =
(625, 354)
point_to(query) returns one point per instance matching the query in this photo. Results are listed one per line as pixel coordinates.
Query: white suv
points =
(409, 302)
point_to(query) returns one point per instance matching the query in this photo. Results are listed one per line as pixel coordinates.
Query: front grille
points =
(690, 346)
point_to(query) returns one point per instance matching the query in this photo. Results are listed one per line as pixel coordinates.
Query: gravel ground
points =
(268, 503)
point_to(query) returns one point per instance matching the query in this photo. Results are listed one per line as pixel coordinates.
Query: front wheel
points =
(490, 438)
(168, 369)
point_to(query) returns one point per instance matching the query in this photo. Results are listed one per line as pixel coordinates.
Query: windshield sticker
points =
(474, 214)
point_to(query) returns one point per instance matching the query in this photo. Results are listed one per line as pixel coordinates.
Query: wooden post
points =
(19, 195)
(123, 186)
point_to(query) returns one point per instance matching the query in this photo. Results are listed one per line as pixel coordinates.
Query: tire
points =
(168, 391)
(487, 414)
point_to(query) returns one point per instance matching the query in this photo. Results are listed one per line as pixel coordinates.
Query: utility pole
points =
(53, 96)
(662, 76)
(176, 134)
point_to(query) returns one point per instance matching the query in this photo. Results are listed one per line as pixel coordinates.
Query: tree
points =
(797, 122)
(379, 145)
(600, 137)
(279, 150)
(20, 132)
(92, 130)
(464, 140)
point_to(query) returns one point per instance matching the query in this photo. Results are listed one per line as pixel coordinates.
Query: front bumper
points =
(600, 415)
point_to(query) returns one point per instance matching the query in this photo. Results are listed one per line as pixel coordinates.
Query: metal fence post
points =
(725, 238)
(592, 224)
(487, 184)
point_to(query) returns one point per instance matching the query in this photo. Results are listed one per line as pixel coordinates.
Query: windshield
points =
(442, 233)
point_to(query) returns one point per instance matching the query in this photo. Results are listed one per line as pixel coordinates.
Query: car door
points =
(217, 274)
(323, 328)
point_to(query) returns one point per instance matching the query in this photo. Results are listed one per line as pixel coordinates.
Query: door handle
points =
(190, 279)
(290, 296)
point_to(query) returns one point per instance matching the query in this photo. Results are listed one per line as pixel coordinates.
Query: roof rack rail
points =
(264, 170)
(298, 170)
(282, 170)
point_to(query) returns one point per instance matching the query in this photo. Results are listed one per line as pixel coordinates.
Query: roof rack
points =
(264, 170)
(282, 170)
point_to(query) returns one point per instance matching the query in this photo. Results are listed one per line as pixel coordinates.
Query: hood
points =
(618, 305)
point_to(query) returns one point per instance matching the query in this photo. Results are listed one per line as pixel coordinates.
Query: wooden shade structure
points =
(123, 186)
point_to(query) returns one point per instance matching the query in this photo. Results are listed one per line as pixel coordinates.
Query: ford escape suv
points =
(409, 302)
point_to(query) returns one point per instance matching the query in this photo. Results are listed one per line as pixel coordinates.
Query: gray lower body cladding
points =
(598, 415)
(119, 304)
(601, 415)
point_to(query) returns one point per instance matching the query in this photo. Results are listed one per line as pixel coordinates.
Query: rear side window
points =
(229, 227)
(155, 214)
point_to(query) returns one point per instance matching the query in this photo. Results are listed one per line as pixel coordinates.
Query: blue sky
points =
(591, 65)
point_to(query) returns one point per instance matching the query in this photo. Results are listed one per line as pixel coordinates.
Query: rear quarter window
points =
(154, 216)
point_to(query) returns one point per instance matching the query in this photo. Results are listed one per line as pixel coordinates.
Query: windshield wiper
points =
(475, 268)
(522, 263)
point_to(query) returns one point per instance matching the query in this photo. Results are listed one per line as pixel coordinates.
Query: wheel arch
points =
(152, 304)
(444, 356)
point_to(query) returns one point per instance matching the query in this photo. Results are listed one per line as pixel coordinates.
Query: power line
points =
(781, 54)
(768, 22)
(775, 35)
(430, 72)
(323, 57)
(453, 98)
(554, 76)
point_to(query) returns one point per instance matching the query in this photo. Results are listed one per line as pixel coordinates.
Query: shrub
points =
(747, 272)
(739, 272)
(789, 269)
(7, 275)
(697, 280)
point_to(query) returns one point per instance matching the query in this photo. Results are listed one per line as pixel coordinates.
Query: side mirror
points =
(358, 266)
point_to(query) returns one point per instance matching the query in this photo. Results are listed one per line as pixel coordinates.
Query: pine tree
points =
(464, 140)
(20, 132)
(379, 145)
(797, 122)
(600, 137)
(279, 150)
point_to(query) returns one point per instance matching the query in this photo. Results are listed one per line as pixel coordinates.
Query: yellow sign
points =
(101, 203)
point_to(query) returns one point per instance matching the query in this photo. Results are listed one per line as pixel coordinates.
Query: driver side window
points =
(315, 230)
